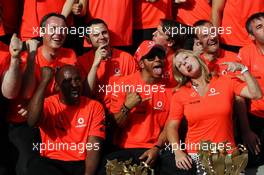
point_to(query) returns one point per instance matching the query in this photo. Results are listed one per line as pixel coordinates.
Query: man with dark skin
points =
(140, 110)
(66, 118)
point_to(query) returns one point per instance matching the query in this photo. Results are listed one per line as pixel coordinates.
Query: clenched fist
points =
(16, 46)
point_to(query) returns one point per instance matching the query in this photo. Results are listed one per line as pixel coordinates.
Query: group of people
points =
(70, 103)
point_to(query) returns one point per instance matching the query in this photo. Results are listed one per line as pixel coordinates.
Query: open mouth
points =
(57, 39)
(189, 68)
(212, 42)
(158, 69)
(75, 93)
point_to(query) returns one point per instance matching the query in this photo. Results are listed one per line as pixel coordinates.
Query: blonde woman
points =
(206, 102)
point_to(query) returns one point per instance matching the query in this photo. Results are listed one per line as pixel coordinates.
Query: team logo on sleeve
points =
(213, 92)
(80, 123)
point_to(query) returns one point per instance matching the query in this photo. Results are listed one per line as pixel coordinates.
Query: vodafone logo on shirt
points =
(117, 71)
(80, 123)
(213, 92)
(159, 105)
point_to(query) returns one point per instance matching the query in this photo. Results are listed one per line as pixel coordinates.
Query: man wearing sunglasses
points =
(140, 106)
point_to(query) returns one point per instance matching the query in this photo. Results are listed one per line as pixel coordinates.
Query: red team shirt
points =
(193, 10)
(65, 56)
(145, 121)
(147, 15)
(120, 64)
(4, 59)
(34, 11)
(235, 14)
(209, 117)
(71, 126)
(117, 15)
(252, 57)
(10, 16)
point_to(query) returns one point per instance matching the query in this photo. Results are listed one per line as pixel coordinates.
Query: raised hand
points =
(16, 46)
(101, 53)
(77, 8)
(32, 45)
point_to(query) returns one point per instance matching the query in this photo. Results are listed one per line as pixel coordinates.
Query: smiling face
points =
(55, 33)
(70, 85)
(208, 38)
(187, 64)
(99, 35)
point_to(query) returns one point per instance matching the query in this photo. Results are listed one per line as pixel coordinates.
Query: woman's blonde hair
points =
(182, 79)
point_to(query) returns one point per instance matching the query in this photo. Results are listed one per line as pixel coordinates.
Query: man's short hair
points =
(60, 70)
(252, 18)
(201, 22)
(198, 23)
(94, 22)
(46, 17)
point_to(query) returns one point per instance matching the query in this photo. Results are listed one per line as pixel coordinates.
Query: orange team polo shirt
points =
(251, 56)
(168, 77)
(120, 64)
(235, 14)
(215, 65)
(65, 56)
(193, 10)
(2, 30)
(145, 121)
(209, 117)
(117, 15)
(67, 128)
(10, 16)
(147, 15)
(34, 11)
(4, 59)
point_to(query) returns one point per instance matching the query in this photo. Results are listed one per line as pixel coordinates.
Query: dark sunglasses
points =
(153, 58)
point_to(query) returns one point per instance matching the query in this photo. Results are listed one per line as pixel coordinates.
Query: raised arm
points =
(35, 107)
(13, 77)
(252, 90)
(67, 7)
(29, 78)
(100, 53)
(217, 12)
(79, 7)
